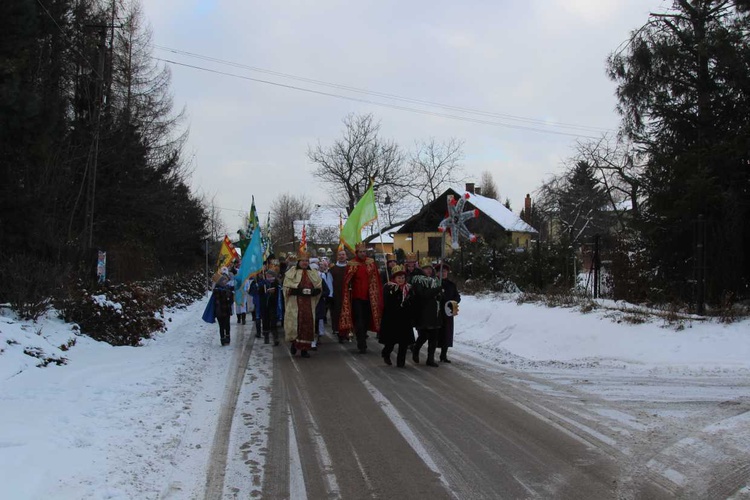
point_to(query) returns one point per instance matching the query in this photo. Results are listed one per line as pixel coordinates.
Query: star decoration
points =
(455, 219)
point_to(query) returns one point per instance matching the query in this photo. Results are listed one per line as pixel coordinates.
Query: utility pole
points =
(699, 265)
(101, 96)
(91, 188)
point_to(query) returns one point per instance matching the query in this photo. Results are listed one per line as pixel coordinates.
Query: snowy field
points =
(124, 422)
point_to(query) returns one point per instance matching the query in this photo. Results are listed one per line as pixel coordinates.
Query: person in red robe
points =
(362, 305)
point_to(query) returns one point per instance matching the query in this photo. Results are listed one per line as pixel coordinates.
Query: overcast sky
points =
(542, 61)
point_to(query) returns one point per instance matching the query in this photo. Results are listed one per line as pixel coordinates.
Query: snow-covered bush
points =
(125, 314)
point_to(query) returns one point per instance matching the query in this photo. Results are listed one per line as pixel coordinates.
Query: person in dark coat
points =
(450, 294)
(427, 292)
(270, 307)
(396, 325)
(256, 292)
(223, 297)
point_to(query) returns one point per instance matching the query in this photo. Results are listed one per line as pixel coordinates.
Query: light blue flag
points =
(252, 258)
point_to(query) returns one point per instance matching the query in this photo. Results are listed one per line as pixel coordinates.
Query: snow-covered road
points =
(121, 422)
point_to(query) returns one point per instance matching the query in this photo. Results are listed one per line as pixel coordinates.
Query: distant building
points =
(496, 224)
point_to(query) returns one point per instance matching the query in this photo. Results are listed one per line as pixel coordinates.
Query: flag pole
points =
(380, 233)
(382, 247)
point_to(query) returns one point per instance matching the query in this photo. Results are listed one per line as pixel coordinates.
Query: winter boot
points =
(431, 356)
(444, 355)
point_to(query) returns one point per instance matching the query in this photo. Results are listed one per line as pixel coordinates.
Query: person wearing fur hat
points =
(363, 296)
(223, 297)
(428, 292)
(450, 293)
(397, 317)
(302, 287)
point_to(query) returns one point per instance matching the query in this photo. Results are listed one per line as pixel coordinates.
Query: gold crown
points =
(411, 257)
(303, 256)
(390, 257)
(360, 246)
(397, 271)
(425, 262)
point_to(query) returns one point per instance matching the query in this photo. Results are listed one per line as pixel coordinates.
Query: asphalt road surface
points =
(345, 425)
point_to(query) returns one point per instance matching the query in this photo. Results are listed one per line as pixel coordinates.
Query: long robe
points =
(397, 313)
(337, 273)
(374, 293)
(299, 318)
(450, 292)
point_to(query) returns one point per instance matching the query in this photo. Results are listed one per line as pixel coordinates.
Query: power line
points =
(367, 101)
(533, 121)
(240, 211)
(70, 42)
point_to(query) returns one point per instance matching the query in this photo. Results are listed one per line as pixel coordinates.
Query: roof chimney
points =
(478, 190)
(527, 206)
(470, 187)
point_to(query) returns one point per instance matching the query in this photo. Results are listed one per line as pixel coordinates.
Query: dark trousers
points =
(269, 325)
(361, 312)
(400, 355)
(430, 336)
(224, 327)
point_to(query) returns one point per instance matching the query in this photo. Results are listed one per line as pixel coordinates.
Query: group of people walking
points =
(260, 297)
(301, 292)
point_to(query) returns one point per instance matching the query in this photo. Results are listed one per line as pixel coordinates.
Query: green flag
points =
(252, 223)
(363, 214)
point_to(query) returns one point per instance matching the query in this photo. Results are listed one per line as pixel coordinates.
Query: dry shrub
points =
(27, 284)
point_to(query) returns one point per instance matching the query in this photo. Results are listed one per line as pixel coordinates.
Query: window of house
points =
(433, 245)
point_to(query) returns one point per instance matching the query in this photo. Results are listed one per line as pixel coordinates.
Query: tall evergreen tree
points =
(583, 203)
(81, 100)
(684, 95)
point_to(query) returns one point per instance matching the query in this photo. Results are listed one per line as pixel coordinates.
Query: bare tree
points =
(285, 209)
(323, 235)
(576, 201)
(489, 188)
(437, 166)
(619, 167)
(141, 89)
(216, 228)
(350, 163)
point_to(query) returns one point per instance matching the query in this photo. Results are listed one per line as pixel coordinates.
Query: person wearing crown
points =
(390, 262)
(397, 317)
(427, 292)
(362, 307)
(302, 288)
(410, 265)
